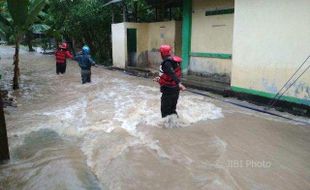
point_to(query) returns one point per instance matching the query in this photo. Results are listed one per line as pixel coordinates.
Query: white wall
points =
(271, 39)
(161, 33)
(211, 34)
(149, 38)
(119, 45)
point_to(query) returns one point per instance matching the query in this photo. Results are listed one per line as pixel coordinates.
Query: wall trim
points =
(212, 55)
(220, 12)
(270, 95)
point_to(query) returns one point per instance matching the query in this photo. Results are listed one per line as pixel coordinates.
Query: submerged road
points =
(109, 135)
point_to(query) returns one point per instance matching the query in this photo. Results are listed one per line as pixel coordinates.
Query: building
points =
(252, 46)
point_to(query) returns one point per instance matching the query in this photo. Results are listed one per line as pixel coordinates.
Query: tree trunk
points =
(30, 46)
(29, 41)
(49, 43)
(16, 66)
(73, 46)
(4, 146)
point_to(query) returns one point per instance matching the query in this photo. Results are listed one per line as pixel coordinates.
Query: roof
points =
(165, 3)
(111, 2)
(154, 3)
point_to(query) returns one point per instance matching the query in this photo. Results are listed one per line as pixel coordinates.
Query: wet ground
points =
(109, 135)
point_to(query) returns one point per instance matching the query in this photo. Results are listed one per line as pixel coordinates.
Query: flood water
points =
(109, 135)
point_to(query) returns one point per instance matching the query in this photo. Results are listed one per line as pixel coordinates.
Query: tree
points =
(23, 13)
(6, 30)
(83, 22)
(29, 38)
(4, 146)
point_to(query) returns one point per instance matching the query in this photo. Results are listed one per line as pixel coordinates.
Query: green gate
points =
(132, 46)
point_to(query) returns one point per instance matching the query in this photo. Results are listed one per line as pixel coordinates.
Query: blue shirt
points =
(85, 61)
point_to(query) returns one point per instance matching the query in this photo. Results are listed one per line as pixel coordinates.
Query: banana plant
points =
(5, 25)
(23, 14)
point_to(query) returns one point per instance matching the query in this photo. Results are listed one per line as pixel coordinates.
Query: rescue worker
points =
(62, 54)
(169, 81)
(85, 62)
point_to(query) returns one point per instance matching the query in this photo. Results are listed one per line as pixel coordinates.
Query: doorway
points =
(132, 46)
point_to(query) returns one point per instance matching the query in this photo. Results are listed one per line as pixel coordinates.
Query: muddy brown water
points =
(109, 135)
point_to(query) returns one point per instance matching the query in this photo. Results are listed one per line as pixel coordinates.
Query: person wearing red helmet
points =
(62, 54)
(169, 81)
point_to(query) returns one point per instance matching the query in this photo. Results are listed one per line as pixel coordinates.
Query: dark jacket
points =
(171, 75)
(85, 61)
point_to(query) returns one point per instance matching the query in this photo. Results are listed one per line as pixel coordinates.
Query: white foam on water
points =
(39, 49)
(130, 110)
(143, 108)
(68, 119)
(196, 108)
(73, 114)
(106, 127)
(91, 146)
(191, 109)
(147, 88)
(131, 106)
(146, 110)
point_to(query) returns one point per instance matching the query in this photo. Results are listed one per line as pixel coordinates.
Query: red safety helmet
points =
(63, 45)
(165, 50)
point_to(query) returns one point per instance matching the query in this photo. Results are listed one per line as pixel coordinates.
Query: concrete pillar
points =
(186, 34)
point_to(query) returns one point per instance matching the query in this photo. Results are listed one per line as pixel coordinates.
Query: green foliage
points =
(82, 21)
(39, 28)
(6, 23)
(22, 15)
(34, 10)
(89, 22)
(17, 16)
(19, 11)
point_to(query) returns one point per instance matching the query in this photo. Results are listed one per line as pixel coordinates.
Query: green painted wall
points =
(211, 55)
(186, 34)
(270, 95)
(269, 48)
(212, 38)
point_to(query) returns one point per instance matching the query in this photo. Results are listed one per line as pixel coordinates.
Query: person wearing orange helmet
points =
(62, 54)
(169, 80)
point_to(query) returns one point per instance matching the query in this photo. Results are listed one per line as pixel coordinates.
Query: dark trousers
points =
(61, 68)
(86, 75)
(169, 103)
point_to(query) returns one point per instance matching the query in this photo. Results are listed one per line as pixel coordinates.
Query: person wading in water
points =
(85, 62)
(169, 81)
(62, 54)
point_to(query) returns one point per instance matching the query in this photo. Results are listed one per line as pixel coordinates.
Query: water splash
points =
(103, 122)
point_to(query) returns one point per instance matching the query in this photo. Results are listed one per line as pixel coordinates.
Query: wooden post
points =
(4, 146)
(136, 11)
(113, 17)
(124, 13)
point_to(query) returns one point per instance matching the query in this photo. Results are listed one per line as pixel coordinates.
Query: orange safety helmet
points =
(165, 50)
